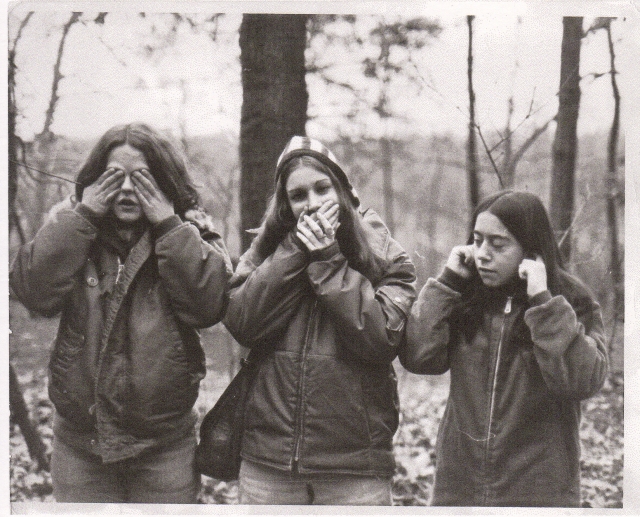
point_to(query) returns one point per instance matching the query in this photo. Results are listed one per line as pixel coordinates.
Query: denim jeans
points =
(265, 485)
(163, 475)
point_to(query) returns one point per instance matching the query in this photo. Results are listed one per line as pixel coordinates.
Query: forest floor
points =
(422, 402)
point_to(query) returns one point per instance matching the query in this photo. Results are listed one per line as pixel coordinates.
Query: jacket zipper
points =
(120, 271)
(92, 409)
(506, 311)
(305, 348)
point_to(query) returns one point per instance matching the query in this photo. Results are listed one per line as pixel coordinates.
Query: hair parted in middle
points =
(351, 235)
(524, 215)
(526, 218)
(166, 162)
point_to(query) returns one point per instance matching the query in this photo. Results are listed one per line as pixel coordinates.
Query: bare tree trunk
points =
(386, 157)
(612, 179)
(472, 146)
(14, 140)
(565, 142)
(274, 106)
(613, 195)
(20, 416)
(508, 172)
(57, 77)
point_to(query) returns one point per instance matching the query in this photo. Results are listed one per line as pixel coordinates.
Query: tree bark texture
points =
(565, 142)
(274, 105)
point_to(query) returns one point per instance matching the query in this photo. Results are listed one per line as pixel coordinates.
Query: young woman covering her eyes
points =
(134, 268)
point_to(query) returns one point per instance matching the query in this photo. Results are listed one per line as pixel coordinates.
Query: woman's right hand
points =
(100, 194)
(318, 230)
(461, 260)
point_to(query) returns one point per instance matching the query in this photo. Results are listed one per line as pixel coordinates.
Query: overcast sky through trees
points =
(195, 82)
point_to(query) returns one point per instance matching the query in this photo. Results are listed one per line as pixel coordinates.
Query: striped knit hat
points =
(305, 146)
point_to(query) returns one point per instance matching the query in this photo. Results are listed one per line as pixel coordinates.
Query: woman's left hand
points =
(318, 231)
(535, 273)
(154, 203)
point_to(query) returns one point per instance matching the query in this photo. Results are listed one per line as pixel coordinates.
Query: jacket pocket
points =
(63, 370)
(163, 381)
(67, 346)
(380, 393)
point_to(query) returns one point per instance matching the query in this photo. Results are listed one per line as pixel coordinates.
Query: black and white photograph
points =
(322, 257)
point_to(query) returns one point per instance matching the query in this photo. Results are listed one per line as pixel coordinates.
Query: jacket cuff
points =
(297, 242)
(164, 226)
(540, 298)
(325, 253)
(453, 280)
(87, 214)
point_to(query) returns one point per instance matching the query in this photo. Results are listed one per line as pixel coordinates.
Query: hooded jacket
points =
(324, 399)
(509, 434)
(126, 362)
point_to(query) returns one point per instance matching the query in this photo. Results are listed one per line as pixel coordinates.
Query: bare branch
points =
(599, 23)
(23, 24)
(519, 126)
(529, 141)
(493, 163)
(533, 96)
(575, 218)
(57, 76)
(43, 172)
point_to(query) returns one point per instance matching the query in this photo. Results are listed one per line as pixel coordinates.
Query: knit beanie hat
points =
(305, 146)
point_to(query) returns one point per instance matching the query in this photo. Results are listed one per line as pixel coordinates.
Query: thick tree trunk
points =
(274, 106)
(472, 145)
(565, 142)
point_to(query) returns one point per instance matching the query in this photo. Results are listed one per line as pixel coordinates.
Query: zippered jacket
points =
(127, 361)
(509, 434)
(324, 400)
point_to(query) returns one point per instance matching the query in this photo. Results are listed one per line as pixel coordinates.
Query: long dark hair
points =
(524, 215)
(166, 163)
(351, 235)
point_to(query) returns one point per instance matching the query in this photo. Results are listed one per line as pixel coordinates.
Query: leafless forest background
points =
(424, 186)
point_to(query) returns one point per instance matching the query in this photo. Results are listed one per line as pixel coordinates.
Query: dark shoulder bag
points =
(218, 452)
